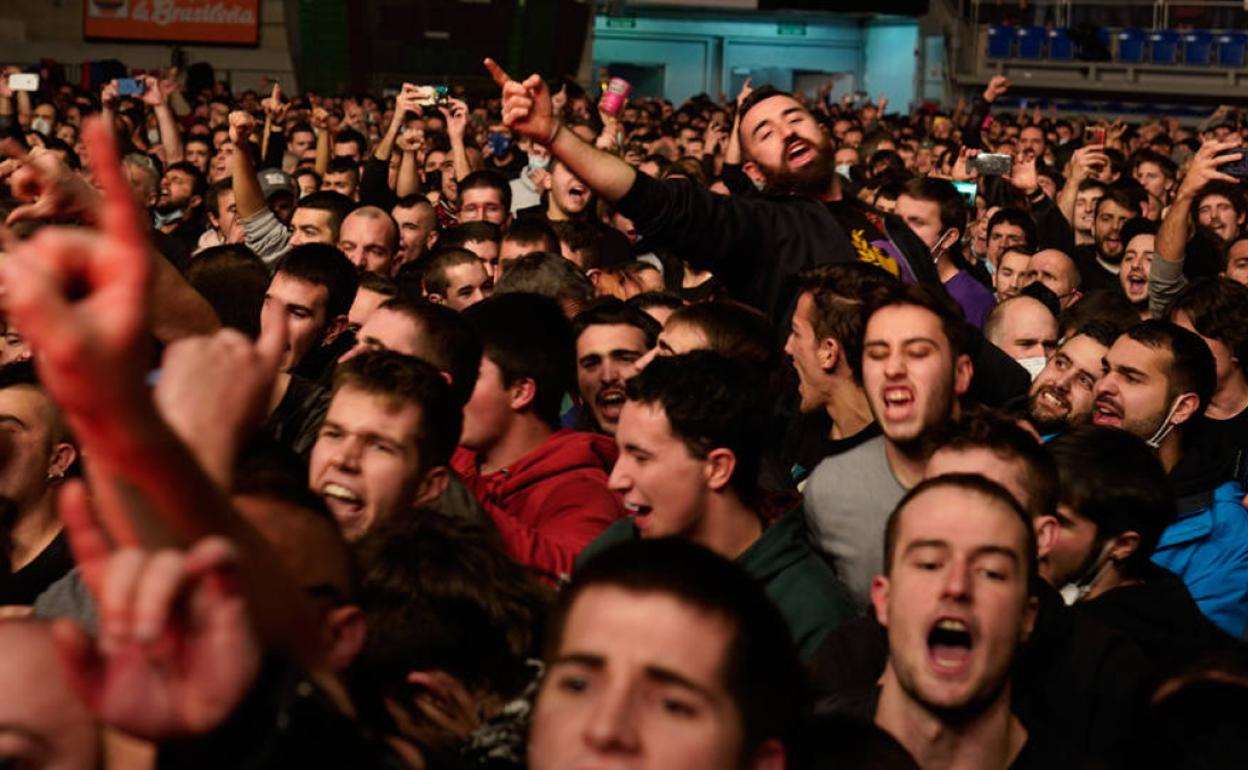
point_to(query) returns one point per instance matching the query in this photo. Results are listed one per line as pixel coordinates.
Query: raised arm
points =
(155, 96)
(1083, 164)
(456, 124)
(528, 110)
(320, 123)
(732, 153)
(248, 196)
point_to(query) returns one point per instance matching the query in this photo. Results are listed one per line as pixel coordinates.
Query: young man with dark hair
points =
(457, 278)
(179, 207)
(351, 145)
(688, 468)
(481, 238)
(549, 275)
(1100, 261)
(955, 596)
(1217, 310)
(1158, 380)
(315, 286)
(485, 196)
(526, 236)
(418, 229)
(1008, 228)
(825, 346)
(673, 619)
(342, 177)
(611, 337)
(936, 213)
(373, 290)
(545, 487)
(1062, 393)
(914, 371)
(386, 442)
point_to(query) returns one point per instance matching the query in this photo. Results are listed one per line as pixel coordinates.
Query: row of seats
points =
(1127, 45)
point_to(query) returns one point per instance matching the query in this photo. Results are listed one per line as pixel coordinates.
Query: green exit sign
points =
(796, 28)
(621, 23)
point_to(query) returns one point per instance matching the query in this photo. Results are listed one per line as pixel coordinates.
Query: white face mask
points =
(1164, 429)
(1076, 590)
(41, 125)
(538, 161)
(153, 136)
(843, 169)
(1033, 364)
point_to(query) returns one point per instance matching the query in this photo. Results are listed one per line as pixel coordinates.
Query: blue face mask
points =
(538, 161)
(499, 144)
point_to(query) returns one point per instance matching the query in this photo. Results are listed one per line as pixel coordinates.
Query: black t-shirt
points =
(50, 565)
(1094, 276)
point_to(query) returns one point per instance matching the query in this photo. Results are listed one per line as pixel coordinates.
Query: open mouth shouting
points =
(899, 403)
(1050, 401)
(1106, 411)
(640, 514)
(949, 646)
(345, 503)
(610, 401)
(578, 194)
(1137, 285)
(798, 152)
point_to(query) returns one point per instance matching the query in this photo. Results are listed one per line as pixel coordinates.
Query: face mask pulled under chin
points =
(1164, 429)
(843, 169)
(1076, 590)
(41, 125)
(1033, 364)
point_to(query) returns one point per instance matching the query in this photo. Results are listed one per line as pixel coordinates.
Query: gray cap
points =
(274, 180)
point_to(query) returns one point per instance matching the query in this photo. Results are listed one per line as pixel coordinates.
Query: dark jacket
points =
(801, 584)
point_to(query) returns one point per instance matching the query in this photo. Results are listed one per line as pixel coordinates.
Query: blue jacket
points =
(1207, 546)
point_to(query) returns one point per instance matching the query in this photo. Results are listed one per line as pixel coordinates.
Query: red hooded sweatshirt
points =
(551, 503)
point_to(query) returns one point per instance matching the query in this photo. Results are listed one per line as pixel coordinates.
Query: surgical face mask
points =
(41, 125)
(843, 169)
(1164, 429)
(153, 136)
(1077, 589)
(1033, 364)
(940, 248)
(538, 162)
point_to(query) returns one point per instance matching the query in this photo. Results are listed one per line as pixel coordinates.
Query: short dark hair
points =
(842, 292)
(213, 194)
(323, 265)
(441, 260)
(581, 237)
(343, 166)
(1218, 309)
(406, 379)
(932, 299)
(488, 180)
(335, 203)
(527, 336)
(943, 194)
(711, 402)
(1113, 479)
(733, 329)
(968, 483)
(756, 96)
(470, 232)
(983, 428)
(1018, 218)
(649, 299)
(233, 280)
(350, 135)
(1108, 307)
(1167, 167)
(549, 275)
(199, 183)
(1192, 369)
(761, 670)
(450, 344)
(533, 231)
(1123, 198)
(441, 593)
(378, 284)
(1228, 190)
(610, 311)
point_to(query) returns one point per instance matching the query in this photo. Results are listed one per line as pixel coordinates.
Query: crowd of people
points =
(527, 429)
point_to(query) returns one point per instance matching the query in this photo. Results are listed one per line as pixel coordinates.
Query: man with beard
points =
(913, 370)
(1158, 379)
(1100, 261)
(755, 244)
(610, 339)
(179, 209)
(1061, 395)
(1138, 238)
(955, 596)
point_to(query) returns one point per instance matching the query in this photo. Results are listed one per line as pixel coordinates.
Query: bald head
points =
(369, 237)
(1057, 270)
(1023, 327)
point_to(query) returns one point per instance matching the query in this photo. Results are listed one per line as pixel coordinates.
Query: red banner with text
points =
(191, 21)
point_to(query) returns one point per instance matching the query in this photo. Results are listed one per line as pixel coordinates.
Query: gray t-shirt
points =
(848, 498)
(265, 234)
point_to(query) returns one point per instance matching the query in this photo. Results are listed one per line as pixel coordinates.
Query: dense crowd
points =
(532, 429)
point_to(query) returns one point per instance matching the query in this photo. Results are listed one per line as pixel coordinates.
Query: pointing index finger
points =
(496, 72)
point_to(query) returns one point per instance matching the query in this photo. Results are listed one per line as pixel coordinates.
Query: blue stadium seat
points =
(1000, 41)
(1163, 45)
(1130, 45)
(1030, 42)
(1198, 47)
(1231, 49)
(1061, 47)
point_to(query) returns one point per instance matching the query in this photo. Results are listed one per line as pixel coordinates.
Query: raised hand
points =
(1087, 162)
(153, 95)
(996, 88)
(319, 118)
(177, 652)
(527, 106)
(242, 126)
(744, 93)
(52, 189)
(1023, 174)
(274, 108)
(80, 298)
(214, 389)
(1203, 167)
(456, 115)
(109, 96)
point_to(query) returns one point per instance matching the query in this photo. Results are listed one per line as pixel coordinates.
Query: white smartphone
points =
(23, 81)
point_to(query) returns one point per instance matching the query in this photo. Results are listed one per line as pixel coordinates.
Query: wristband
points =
(553, 134)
